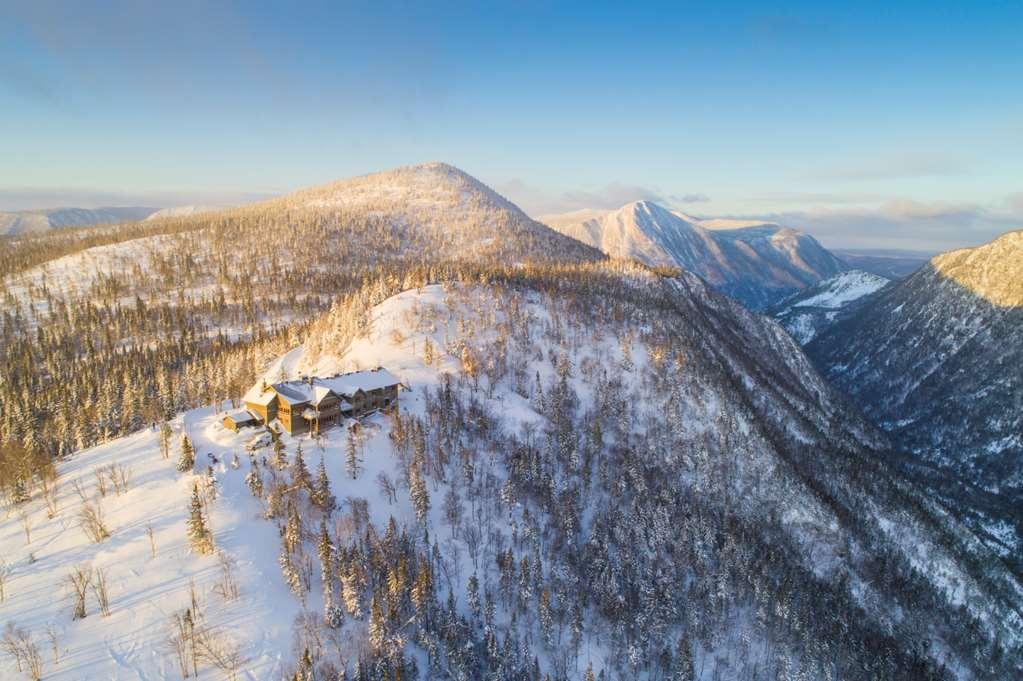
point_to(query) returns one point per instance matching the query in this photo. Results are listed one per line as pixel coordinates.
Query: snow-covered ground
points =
(146, 591)
(842, 289)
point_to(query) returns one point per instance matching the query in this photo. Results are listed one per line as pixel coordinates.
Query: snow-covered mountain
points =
(20, 222)
(593, 469)
(806, 313)
(437, 207)
(937, 361)
(754, 262)
(183, 211)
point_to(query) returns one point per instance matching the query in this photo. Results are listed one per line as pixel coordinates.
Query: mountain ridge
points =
(755, 262)
(937, 361)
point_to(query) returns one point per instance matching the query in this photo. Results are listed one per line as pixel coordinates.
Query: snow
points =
(842, 289)
(144, 591)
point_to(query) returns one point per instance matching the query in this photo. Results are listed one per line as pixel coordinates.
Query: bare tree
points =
(90, 518)
(26, 525)
(5, 572)
(152, 539)
(51, 492)
(79, 581)
(53, 636)
(18, 644)
(386, 486)
(228, 585)
(99, 587)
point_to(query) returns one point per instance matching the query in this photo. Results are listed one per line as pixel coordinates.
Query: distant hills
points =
(888, 263)
(20, 222)
(757, 263)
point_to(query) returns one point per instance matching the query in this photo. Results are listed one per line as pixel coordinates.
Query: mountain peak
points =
(993, 271)
(755, 262)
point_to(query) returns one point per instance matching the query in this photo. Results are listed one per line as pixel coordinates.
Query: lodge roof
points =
(314, 391)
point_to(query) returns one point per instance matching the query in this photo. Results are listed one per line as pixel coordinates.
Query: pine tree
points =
(274, 501)
(377, 626)
(291, 574)
(546, 618)
(187, 459)
(254, 480)
(305, 667)
(684, 669)
(350, 591)
(325, 551)
(352, 463)
(321, 495)
(418, 493)
(293, 529)
(198, 531)
(473, 595)
(299, 472)
(280, 460)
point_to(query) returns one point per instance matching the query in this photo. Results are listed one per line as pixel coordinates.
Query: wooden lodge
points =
(313, 403)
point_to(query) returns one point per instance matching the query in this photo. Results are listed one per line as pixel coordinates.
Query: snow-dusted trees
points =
(353, 446)
(300, 476)
(321, 494)
(186, 457)
(197, 526)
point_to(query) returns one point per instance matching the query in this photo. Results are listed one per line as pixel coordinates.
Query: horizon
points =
(906, 140)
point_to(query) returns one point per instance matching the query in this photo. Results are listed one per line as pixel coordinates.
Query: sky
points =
(896, 125)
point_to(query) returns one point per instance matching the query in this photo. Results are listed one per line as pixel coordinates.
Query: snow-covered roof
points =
(256, 395)
(241, 416)
(318, 389)
(349, 384)
(294, 392)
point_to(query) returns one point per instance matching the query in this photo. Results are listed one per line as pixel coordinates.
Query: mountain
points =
(888, 263)
(182, 211)
(756, 263)
(806, 313)
(937, 361)
(593, 466)
(437, 207)
(20, 222)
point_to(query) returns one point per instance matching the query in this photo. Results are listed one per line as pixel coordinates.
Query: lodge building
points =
(314, 403)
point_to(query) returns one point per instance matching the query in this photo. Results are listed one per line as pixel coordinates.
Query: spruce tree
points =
(321, 495)
(198, 531)
(300, 472)
(187, 459)
(352, 454)
(254, 480)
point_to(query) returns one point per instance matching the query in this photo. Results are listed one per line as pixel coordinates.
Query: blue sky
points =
(879, 124)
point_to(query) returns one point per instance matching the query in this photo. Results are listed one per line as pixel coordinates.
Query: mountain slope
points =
(20, 222)
(755, 263)
(592, 466)
(806, 313)
(937, 360)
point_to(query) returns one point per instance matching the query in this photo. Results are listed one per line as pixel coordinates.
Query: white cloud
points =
(897, 167)
(538, 201)
(31, 198)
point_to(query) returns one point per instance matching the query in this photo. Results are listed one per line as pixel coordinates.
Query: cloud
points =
(1015, 203)
(31, 198)
(903, 223)
(897, 167)
(690, 198)
(537, 201)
